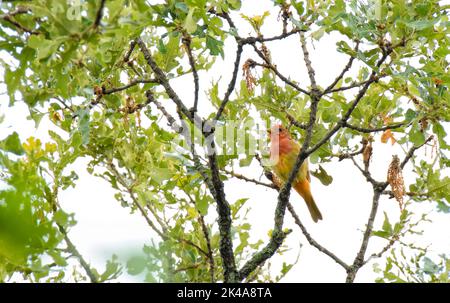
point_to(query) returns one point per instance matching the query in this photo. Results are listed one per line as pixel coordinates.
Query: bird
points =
(283, 154)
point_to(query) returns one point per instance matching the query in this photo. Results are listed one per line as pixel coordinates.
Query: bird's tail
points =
(304, 190)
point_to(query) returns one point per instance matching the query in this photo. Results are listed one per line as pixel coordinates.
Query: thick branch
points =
(224, 220)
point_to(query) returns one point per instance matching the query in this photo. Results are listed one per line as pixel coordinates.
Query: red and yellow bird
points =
(283, 154)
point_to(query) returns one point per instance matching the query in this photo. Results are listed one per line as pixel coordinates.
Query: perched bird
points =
(283, 154)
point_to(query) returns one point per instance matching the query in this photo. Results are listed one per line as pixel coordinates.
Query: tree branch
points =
(352, 107)
(261, 39)
(136, 203)
(412, 150)
(341, 75)
(74, 251)
(247, 179)
(231, 85)
(99, 15)
(359, 259)
(161, 77)
(209, 254)
(215, 184)
(313, 242)
(373, 130)
(293, 121)
(10, 18)
(187, 43)
(311, 72)
(270, 66)
(131, 84)
(278, 235)
(297, 221)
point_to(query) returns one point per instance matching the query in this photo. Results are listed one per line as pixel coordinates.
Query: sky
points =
(105, 228)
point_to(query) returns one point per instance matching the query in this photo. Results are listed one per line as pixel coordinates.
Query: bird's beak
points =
(269, 132)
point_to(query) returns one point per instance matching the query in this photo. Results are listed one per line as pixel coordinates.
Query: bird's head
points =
(278, 131)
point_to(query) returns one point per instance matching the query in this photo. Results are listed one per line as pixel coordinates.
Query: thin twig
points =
(382, 251)
(99, 15)
(308, 64)
(272, 67)
(352, 107)
(74, 251)
(161, 77)
(136, 203)
(293, 121)
(261, 39)
(232, 83)
(373, 130)
(187, 43)
(313, 242)
(10, 18)
(210, 255)
(247, 179)
(345, 70)
(412, 150)
(131, 84)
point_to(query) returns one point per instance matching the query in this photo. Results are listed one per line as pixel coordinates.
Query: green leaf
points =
(43, 47)
(202, 206)
(422, 24)
(182, 6)
(12, 144)
(429, 267)
(61, 217)
(322, 175)
(189, 24)
(387, 227)
(136, 265)
(410, 115)
(83, 125)
(416, 136)
(215, 46)
(316, 35)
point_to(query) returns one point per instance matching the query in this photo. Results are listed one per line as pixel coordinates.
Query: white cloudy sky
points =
(105, 228)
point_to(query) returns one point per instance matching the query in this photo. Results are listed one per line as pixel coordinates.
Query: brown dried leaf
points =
(388, 135)
(423, 124)
(250, 80)
(367, 153)
(395, 180)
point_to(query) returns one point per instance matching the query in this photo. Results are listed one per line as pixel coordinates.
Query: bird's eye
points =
(280, 129)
